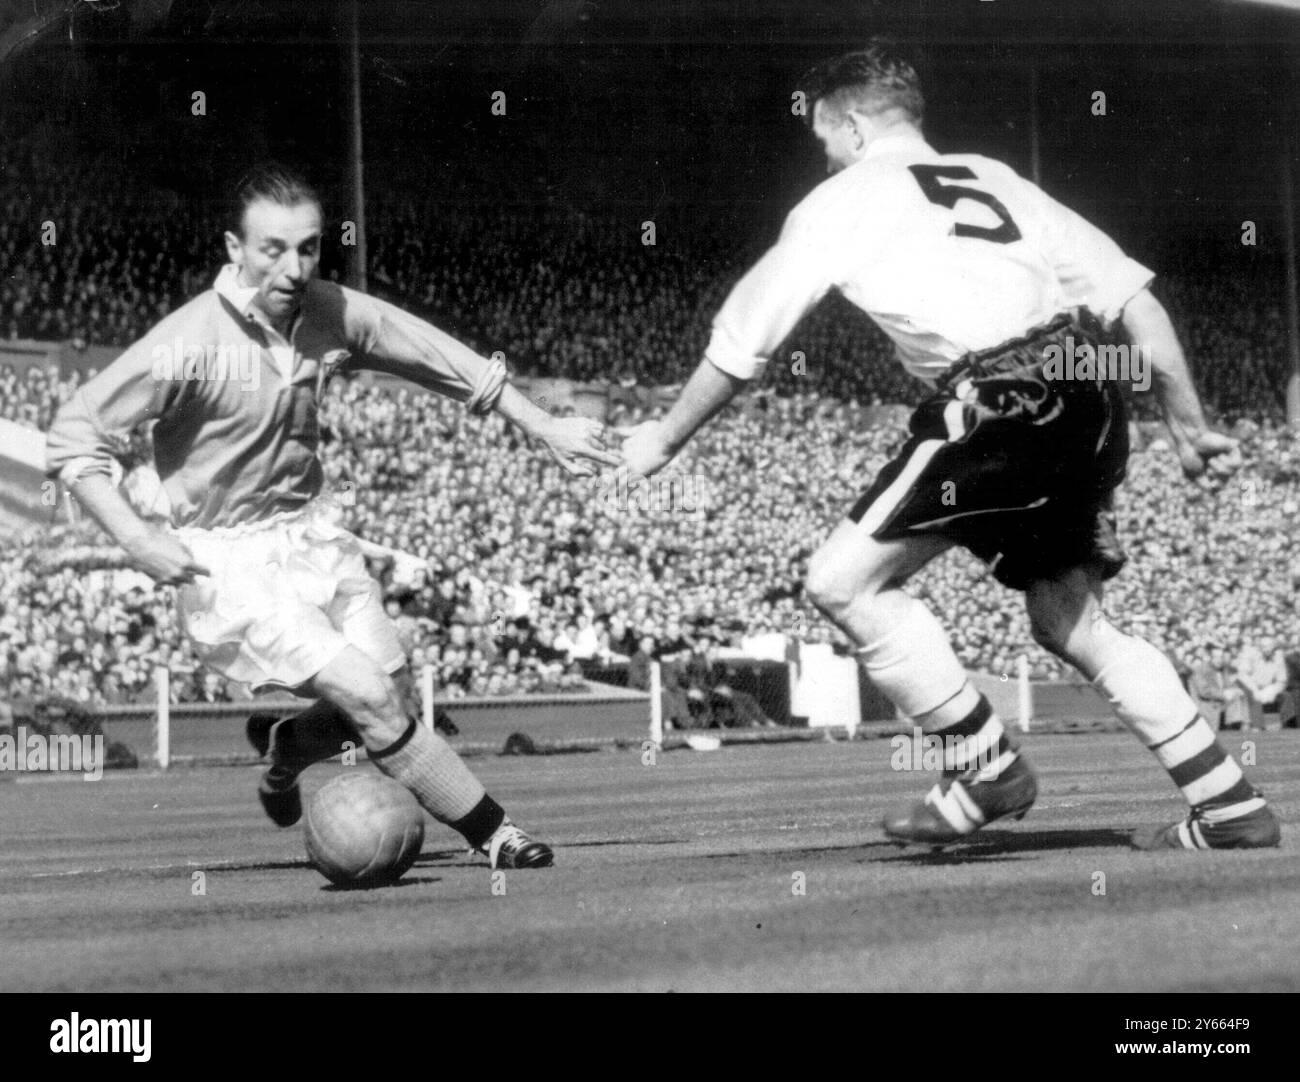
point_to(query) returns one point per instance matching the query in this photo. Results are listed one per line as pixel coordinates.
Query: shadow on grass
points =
(984, 846)
(994, 845)
(598, 842)
(459, 858)
(405, 881)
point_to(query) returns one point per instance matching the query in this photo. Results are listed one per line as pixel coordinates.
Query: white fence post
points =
(426, 696)
(1024, 694)
(656, 705)
(793, 706)
(162, 731)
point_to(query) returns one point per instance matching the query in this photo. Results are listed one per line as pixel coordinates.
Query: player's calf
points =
(1147, 695)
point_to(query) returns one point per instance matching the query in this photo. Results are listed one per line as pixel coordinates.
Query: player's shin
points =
(445, 787)
(907, 655)
(426, 764)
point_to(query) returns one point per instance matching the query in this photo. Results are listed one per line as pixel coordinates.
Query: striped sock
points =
(1210, 780)
(976, 748)
(427, 765)
(1148, 697)
(979, 741)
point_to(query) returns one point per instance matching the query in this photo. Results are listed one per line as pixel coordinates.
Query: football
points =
(363, 829)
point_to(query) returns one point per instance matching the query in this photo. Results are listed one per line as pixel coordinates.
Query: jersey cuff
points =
(72, 472)
(733, 361)
(488, 389)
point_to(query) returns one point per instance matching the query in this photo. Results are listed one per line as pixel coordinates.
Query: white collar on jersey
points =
(227, 285)
(906, 140)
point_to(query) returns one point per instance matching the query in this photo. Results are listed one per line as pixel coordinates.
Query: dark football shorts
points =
(1016, 467)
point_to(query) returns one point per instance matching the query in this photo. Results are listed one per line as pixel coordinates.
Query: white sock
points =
(1148, 697)
(912, 663)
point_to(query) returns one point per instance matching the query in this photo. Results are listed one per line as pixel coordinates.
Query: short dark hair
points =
(271, 181)
(872, 80)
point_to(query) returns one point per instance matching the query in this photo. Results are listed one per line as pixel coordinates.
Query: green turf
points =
(673, 876)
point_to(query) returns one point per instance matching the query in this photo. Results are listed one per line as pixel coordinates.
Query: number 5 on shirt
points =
(931, 178)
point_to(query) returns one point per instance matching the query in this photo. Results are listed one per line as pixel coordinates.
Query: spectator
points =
(1209, 686)
(1261, 671)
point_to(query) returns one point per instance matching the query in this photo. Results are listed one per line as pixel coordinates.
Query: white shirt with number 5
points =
(947, 253)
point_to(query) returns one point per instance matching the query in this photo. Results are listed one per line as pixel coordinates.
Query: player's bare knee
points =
(827, 588)
(371, 700)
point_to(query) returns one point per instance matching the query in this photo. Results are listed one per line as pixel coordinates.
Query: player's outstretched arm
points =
(398, 343)
(1150, 328)
(758, 314)
(651, 446)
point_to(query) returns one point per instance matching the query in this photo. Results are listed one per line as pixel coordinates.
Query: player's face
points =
(838, 137)
(278, 253)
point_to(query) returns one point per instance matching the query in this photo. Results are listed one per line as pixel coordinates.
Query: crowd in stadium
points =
(560, 293)
(523, 578)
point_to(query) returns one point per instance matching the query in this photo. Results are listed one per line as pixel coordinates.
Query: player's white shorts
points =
(284, 597)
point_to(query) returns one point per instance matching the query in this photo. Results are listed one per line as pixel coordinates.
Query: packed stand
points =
(521, 577)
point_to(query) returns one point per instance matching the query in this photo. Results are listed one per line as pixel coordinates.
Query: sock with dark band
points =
(480, 824)
(435, 774)
(1148, 697)
(977, 741)
(1207, 775)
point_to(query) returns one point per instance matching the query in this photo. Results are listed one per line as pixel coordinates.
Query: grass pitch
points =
(752, 868)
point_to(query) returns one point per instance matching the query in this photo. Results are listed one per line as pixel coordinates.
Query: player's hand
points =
(164, 559)
(644, 450)
(577, 444)
(1197, 450)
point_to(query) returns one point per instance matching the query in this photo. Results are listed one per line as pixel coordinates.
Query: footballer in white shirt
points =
(984, 284)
